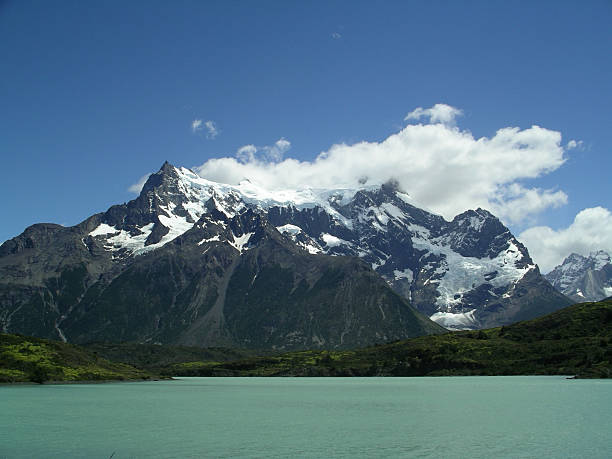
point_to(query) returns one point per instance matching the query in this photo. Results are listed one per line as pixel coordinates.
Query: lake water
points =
(311, 417)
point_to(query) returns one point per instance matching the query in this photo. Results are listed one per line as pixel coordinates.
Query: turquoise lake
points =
(310, 417)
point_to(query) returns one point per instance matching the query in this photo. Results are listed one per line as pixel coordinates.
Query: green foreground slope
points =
(27, 359)
(573, 341)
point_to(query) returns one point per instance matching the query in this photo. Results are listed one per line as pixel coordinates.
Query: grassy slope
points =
(38, 360)
(573, 341)
(153, 357)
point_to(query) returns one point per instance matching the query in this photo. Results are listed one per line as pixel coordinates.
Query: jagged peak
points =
(478, 219)
(167, 167)
(574, 257)
(166, 171)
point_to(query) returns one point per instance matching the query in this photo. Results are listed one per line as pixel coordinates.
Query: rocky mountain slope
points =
(190, 261)
(584, 278)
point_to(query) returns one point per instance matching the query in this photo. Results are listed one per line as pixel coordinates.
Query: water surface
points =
(311, 417)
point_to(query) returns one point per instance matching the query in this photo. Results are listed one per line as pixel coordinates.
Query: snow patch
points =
(291, 229)
(310, 248)
(103, 229)
(333, 241)
(476, 223)
(241, 241)
(135, 245)
(405, 274)
(456, 321)
(214, 238)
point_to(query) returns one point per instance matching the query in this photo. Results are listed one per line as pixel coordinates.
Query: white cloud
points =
(439, 113)
(211, 129)
(575, 144)
(247, 154)
(196, 125)
(590, 231)
(276, 151)
(136, 188)
(443, 168)
(336, 35)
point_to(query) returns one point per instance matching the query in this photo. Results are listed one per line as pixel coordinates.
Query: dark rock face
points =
(584, 278)
(196, 262)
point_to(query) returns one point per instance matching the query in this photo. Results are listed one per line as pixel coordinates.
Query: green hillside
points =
(153, 357)
(27, 359)
(573, 341)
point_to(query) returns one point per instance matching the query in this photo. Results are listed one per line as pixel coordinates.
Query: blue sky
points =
(94, 95)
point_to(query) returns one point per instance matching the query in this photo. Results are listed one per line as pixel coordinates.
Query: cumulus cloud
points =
(136, 188)
(211, 129)
(443, 168)
(336, 35)
(439, 113)
(196, 125)
(590, 231)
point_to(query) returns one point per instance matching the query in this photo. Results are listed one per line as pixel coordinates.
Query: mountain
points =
(195, 262)
(171, 268)
(572, 341)
(584, 278)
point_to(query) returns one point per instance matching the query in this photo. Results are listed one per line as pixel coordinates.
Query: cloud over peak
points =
(444, 168)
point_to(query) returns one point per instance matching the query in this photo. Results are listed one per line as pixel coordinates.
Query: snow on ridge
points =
(251, 193)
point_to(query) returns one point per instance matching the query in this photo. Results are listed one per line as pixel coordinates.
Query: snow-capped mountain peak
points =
(460, 272)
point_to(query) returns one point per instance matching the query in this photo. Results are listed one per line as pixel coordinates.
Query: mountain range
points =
(584, 278)
(195, 262)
